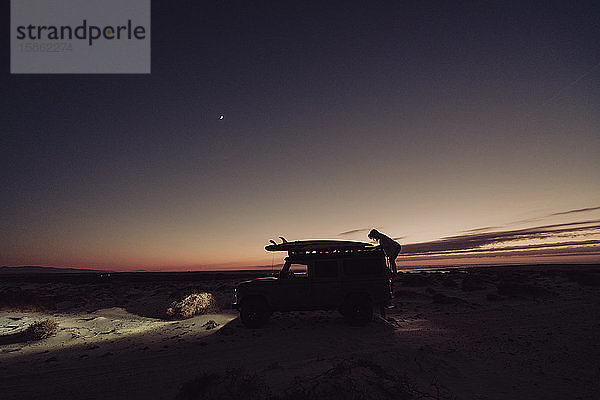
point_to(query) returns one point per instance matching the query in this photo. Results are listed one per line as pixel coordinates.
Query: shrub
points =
(194, 304)
(41, 329)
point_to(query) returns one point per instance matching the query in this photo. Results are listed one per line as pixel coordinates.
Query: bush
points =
(194, 304)
(41, 329)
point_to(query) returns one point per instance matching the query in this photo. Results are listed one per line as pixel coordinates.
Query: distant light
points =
(221, 116)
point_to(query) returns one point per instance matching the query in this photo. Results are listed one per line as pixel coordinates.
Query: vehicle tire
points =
(358, 310)
(254, 312)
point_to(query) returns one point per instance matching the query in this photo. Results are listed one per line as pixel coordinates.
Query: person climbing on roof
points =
(391, 248)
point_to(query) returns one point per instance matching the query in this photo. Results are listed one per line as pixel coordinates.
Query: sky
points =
(470, 132)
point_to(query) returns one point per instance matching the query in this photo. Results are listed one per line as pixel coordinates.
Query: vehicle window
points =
(363, 266)
(326, 269)
(299, 270)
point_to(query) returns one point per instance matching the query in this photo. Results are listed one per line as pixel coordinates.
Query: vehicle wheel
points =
(358, 310)
(254, 313)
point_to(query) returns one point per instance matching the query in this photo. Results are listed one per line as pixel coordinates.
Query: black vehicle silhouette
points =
(351, 277)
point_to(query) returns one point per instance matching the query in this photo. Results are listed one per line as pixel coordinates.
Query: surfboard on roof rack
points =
(318, 245)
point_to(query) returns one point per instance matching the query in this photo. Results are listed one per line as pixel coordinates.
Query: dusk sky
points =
(471, 132)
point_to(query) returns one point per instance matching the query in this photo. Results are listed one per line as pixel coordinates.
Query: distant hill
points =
(35, 269)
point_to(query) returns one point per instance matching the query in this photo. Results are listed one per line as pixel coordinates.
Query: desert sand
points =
(527, 332)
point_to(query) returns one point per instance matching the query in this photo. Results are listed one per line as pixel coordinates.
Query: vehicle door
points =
(326, 286)
(293, 288)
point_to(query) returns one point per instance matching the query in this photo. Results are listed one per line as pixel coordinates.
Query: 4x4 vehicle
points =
(351, 277)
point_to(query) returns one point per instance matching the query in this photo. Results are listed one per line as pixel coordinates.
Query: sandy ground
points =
(497, 333)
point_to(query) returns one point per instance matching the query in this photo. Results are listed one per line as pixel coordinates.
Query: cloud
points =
(569, 212)
(561, 239)
(487, 228)
(527, 221)
(364, 230)
(353, 231)
(580, 210)
(471, 242)
(553, 246)
(534, 253)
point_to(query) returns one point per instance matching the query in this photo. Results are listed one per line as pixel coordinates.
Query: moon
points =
(221, 116)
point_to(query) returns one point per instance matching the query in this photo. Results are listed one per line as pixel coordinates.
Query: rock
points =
(210, 325)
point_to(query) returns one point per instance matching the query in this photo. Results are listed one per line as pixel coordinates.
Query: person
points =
(391, 248)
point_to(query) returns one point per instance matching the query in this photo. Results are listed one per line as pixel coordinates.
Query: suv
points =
(351, 277)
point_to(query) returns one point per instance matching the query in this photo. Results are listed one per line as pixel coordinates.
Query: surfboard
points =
(322, 245)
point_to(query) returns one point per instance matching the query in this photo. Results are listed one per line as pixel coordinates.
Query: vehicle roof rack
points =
(323, 247)
(335, 252)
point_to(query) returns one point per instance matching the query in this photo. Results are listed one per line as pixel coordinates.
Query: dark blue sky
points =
(421, 118)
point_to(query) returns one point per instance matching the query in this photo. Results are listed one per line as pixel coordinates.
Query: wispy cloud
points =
(487, 228)
(364, 230)
(571, 244)
(476, 241)
(533, 254)
(580, 210)
(560, 213)
(577, 238)
(526, 221)
(354, 231)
